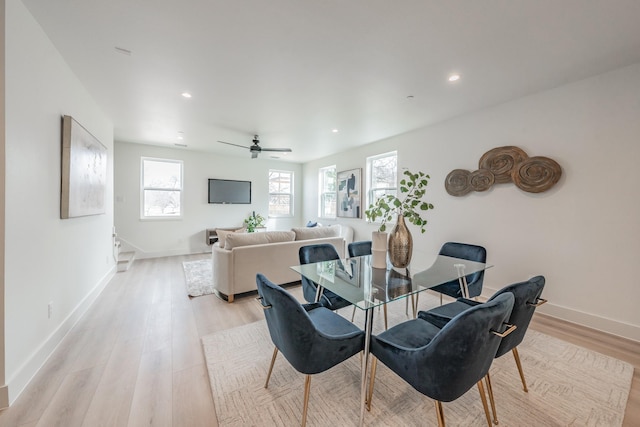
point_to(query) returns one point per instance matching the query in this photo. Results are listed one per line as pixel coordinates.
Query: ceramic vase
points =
(400, 244)
(379, 249)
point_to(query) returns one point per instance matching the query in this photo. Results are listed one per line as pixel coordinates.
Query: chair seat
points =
(440, 316)
(332, 301)
(411, 334)
(328, 323)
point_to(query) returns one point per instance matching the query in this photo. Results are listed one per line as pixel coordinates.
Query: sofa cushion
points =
(222, 235)
(306, 233)
(235, 240)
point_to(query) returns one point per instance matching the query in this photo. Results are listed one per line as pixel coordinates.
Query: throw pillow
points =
(306, 233)
(222, 236)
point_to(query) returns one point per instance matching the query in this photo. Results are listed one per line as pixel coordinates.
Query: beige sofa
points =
(238, 257)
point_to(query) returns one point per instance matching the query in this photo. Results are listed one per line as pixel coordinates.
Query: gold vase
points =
(400, 244)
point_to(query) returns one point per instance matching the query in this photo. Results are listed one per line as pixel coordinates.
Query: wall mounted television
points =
(228, 191)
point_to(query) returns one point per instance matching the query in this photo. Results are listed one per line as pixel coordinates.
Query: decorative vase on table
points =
(379, 249)
(400, 244)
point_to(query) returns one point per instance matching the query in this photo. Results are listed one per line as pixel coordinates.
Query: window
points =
(327, 192)
(161, 188)
(280, 193)
(381, 176)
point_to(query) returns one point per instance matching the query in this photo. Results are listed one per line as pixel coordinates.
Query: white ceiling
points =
(293, 70)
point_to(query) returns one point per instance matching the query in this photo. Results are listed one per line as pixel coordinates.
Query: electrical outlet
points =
(50, 309)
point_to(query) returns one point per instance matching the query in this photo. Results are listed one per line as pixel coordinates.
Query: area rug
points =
(568, 386)
(198, 277)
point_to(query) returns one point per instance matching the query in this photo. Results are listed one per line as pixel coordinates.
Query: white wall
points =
(66, 262)
(154, 238)
(583, 235)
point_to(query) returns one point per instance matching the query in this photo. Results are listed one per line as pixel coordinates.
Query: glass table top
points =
(355, 280)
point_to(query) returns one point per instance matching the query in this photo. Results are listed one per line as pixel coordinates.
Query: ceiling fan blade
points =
(283, 150)
(229, 143)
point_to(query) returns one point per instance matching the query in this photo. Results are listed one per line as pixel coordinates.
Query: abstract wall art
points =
(84, 172)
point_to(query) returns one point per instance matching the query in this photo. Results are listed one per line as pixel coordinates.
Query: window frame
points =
(143, 188)
(323, 191)
(370, 176)
(291, 194)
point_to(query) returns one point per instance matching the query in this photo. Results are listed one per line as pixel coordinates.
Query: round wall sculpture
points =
(502, 165)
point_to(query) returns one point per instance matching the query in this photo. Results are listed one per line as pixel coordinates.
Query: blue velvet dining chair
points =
(527, 296)
(316, 253)
(311, 337)
(443, 364)
(474, 280)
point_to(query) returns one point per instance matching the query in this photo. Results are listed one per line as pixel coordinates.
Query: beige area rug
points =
(568, 386)
(198, 277)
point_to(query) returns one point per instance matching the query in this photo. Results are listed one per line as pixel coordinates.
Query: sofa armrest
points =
(223, 274)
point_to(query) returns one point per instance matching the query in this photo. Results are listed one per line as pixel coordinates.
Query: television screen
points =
(229, 191)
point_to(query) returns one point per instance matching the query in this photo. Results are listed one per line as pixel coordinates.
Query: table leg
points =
(365, 362)
(462, 279)
(319, 291)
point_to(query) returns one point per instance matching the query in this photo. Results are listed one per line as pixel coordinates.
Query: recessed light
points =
(180, 137)
(186, 94)
(335, 130)
(454, 77)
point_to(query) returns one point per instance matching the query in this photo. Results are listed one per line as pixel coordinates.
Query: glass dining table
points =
(366, 287)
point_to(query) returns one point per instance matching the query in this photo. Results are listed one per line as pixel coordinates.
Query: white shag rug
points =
(198, 277)
(568, 386)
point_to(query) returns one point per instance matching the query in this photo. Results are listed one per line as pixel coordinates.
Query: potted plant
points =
(254, 221)
(407, 205)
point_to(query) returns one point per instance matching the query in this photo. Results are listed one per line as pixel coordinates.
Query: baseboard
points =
(592, 321)
(30, 368)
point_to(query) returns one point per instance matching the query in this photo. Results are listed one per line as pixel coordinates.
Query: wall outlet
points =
(50, 310)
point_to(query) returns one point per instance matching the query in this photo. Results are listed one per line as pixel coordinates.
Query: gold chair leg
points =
(307, 387)
(273, 360)
(516, 356)
(439, 413)
(484, 402)
(386, 326)
(487, 380)
(353, 315)
(374, 364)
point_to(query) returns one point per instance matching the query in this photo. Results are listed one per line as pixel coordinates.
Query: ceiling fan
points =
(255, 149)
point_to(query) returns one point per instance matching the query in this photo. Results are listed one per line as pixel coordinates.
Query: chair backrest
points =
(310, 254)
(461, 353)
(527, 295)
(360, 248)
(471, 253)
(289, 325)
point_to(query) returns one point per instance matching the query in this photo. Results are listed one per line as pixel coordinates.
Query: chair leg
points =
(439, 413)
(273, 360)
(374, 364)
(353, 315)
(483, 397)
(386, 326)
(307, 387)
(514, 350)
(487, 380)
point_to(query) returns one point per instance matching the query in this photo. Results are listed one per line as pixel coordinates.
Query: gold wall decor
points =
(502, 165)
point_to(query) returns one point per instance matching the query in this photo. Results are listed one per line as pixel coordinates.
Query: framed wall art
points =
(349, 193)
(84, 172)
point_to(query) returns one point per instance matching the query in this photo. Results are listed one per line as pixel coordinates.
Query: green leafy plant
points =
(409, 204)
(254, 221)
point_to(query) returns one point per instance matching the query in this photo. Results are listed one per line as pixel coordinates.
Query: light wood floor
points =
(135, 358)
